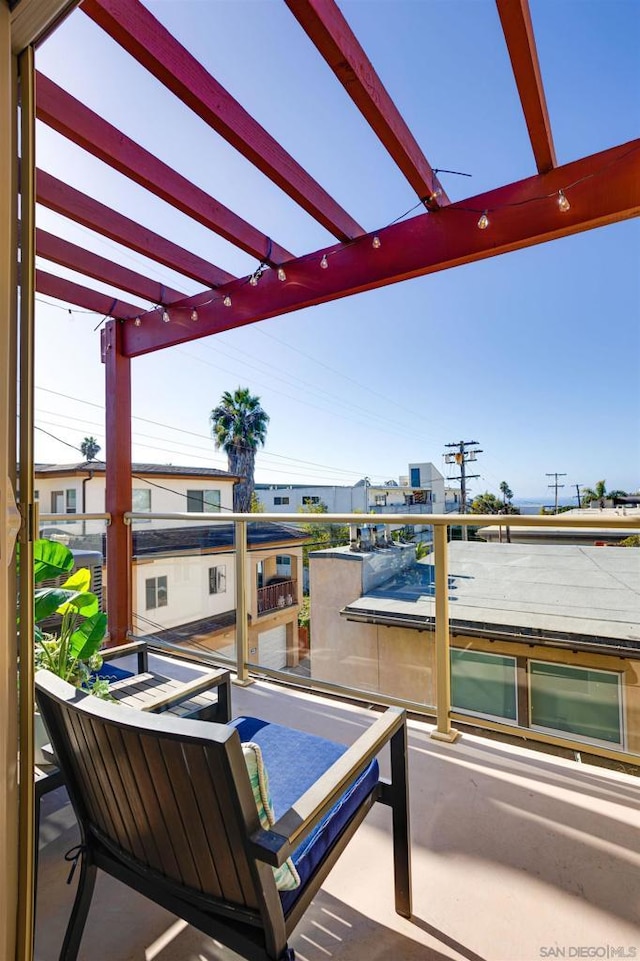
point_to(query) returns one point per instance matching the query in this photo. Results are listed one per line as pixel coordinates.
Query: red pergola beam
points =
(326, 27)
(602, 189)
(84, 261)
(72, 293)
(131, 25)
(518, 32)
(71, 203)
(59, 110)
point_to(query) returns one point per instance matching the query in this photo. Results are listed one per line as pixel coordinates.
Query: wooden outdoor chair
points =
(179, 810)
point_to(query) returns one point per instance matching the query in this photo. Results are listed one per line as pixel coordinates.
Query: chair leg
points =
(288, 955)
(400, 817)
(81, 905)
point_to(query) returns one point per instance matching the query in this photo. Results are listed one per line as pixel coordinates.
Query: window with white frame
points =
(484, 684)
(577, 700)
(218, 579)
(280, 500)
(203, 502)
(64, 502)
(156, 592)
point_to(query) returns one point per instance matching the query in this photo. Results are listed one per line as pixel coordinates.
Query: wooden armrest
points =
(186, 690)
(133, 647)
(276, 845)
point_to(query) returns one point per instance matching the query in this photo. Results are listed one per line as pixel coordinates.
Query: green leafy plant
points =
(71, 650)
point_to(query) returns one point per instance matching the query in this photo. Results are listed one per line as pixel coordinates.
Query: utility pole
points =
(578, 495)
(556, 485)
(460, 457)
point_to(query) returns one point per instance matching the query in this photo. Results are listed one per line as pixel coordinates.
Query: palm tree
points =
(90, 448)
(239, 426)
(598, 493)
(506, 492)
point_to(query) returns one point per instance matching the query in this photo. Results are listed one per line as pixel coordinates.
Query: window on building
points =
(576, 700)
(218, 579)
(414, 479)
(283, 565)
(203, 502)
(36, 495)
(64, 502)
(156, 592)
(280, 500)
(484, 684)
(309, 499)
(141, 499)
(380, 500)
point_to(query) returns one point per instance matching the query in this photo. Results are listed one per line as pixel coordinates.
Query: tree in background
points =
(506, 492)
(490, 504)
(322, 535)
(257, 507)
(598, 493)
(90, 448)
(239, 427)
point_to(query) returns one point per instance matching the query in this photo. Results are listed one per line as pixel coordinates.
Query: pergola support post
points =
(118, 482)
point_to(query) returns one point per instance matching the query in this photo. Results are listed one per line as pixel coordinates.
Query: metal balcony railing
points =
(440, 523)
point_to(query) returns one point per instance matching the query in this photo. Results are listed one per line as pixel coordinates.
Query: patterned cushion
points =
(286, 876)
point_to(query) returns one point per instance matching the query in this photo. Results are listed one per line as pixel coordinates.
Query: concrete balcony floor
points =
(517, 855)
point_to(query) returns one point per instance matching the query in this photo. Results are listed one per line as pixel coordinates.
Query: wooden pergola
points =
(555, 201)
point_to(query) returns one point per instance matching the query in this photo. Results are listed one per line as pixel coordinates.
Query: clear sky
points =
(535, 355)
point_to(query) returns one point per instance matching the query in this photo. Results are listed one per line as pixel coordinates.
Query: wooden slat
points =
(139, 797)
(69, 117)
(131, 25)
(515, 18)
(82, 209)
(603, 189)
(84, 261)
(327, 28)
(72, 293)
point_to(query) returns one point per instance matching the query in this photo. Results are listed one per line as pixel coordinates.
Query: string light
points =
(281, 273)
(324, 263)
(227, 301)
(483, 223)
(253, 280)
(194, 315)
(376, 242)
(138, 322)
(563, 203)
(165, 317)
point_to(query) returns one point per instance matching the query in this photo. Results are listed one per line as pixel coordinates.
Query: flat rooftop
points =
(551, 590)
(515, 854)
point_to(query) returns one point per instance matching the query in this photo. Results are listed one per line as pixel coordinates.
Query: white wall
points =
(188, 597)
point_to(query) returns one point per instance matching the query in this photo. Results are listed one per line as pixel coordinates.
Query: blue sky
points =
(535, 354)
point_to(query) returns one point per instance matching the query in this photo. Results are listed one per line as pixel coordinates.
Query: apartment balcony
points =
(275, 596)
(517, 855)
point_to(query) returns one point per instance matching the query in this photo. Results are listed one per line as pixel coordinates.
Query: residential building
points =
(421, 491)
(183, 574)
(543, 637)
(156, 488)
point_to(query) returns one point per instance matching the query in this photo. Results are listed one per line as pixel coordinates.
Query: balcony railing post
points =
(242, 613)
(443, 731)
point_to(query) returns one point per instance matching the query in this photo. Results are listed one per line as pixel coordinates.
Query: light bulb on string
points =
(165, 317)
(563, 203)
(375, 243)
(253, 280)
(281, 274)
(483, 223)
(227, 301)
(324, 263)
(194, 315)
(137, 322)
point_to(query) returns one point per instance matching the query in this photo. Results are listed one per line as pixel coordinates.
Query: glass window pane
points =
(141, 499)
(150, 593)
(162, 592)
(483, 683)
(576, 700)
(211, 501)
(194, 502)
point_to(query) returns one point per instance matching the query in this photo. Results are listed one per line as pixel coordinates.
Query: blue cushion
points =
(112, 673)
(295, 761)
